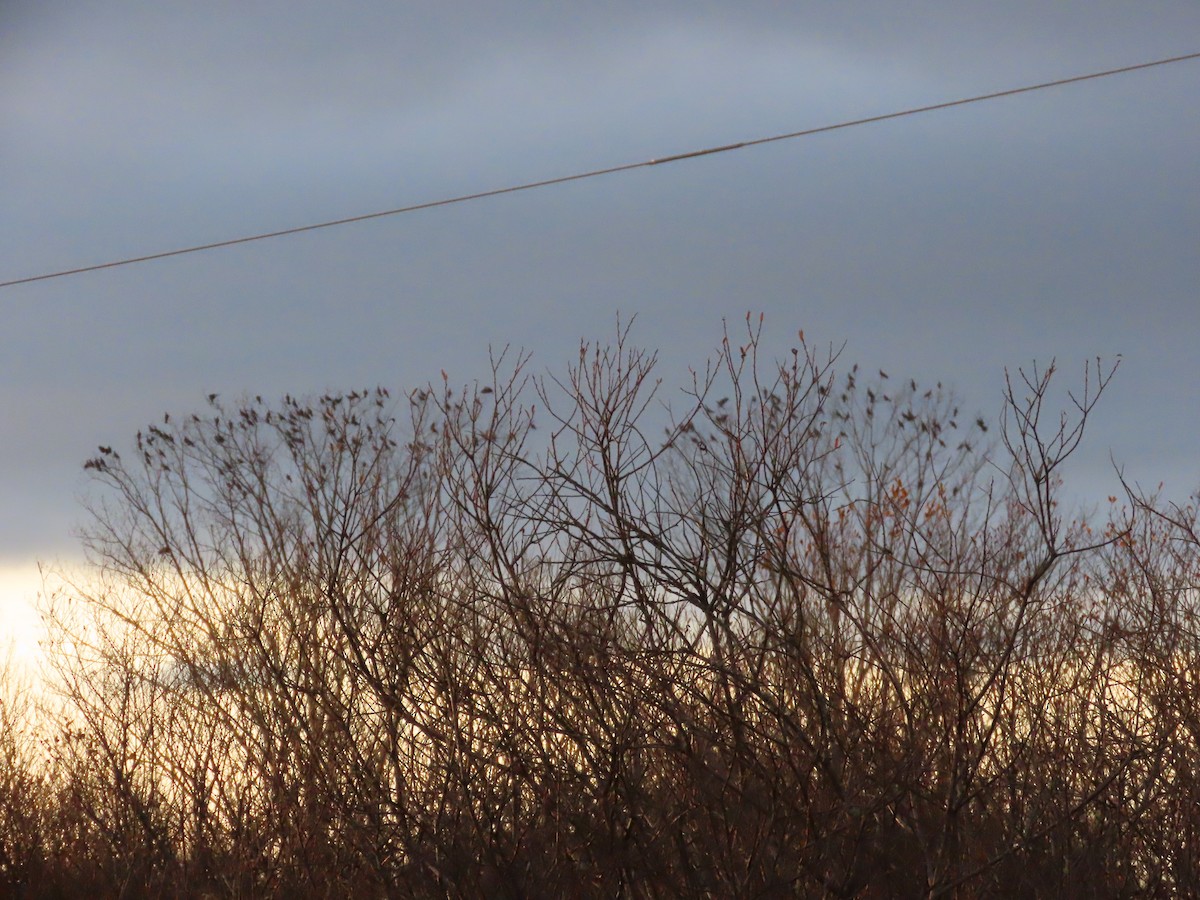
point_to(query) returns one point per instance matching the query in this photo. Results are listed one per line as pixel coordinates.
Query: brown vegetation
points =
(805, 634)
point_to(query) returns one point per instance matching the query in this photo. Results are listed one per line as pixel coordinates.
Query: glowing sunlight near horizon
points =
(20, 624)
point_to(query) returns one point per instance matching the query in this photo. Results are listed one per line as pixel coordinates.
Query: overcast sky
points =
(1063, 223)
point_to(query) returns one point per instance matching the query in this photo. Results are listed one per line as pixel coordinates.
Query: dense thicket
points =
(788, 632)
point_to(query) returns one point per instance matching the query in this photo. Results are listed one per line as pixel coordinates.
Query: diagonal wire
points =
(595, 173)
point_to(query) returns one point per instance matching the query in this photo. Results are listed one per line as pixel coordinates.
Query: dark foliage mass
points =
(793, 631)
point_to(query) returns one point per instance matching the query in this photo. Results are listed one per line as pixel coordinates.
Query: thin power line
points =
(594, 173)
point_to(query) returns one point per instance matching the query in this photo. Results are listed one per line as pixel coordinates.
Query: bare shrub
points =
(787, 632)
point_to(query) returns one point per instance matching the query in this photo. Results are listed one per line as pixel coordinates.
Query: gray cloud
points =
(948, 246)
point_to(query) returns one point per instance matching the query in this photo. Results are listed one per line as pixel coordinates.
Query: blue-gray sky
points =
(1064, 223)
